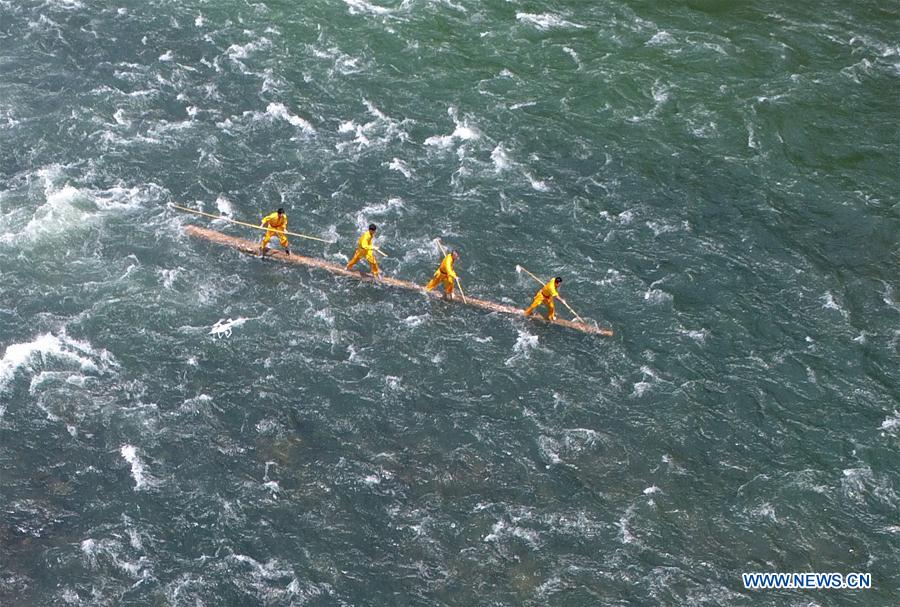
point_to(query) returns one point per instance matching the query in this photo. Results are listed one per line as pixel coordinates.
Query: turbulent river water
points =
(714, 180)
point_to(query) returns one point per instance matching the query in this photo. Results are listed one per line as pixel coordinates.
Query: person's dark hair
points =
(281, 211)
(557, 279)
(455, 252)
(372, 227)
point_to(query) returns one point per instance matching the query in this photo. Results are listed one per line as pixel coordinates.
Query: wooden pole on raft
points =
(249, 225)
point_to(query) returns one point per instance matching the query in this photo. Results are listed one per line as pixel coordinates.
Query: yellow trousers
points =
(440, 277)
(281, 238)
(538, 300)
(369, 256)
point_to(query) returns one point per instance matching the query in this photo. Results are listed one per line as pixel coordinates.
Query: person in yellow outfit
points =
(276, 223)
(365, 248)
(445, 274)
(545, 296)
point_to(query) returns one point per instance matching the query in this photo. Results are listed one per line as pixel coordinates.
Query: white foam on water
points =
(461, 132)
(119, 117)
(651, 490)
(70, 5)
(167, 56)
(381, 131)
(225, 206)
(571, 53)
(89, 549)
(500, 159)
(502, 531)
(660, 227)
(625, 217)
(392, 205)
(242, 51)
(660, 94)
(48, 349)
(656, 296)
(280, 111)
(357, 7)
(326, 315)
(129, 454)
(639, 389)
(525, 343)
(661, 38)
(697, 335)
(623, 525)
(831, 304)
(891, 424)
(400, 166)
(855, 482)
(545, 21)
(200, 21)
(765, 511)
(414, 321)
(537, 184)
(68, 208)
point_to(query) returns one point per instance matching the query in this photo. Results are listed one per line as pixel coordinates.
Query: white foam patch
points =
(68, 208)
(392, 205)
(119, 117)
(357, 7)
(698, 336)
(571, 53)
(381, 131)
(545, 21)
(48, 350)
(129, 454)
(414, 321)
(67, 4)
(549, 448)
(891, 424)
(660, 94)
(502, 531)
(500, 159)
(242, 51)
(830, 304)
(537, 184)
(461, 132)
(661, 38)
(280, 111)
(525, 343)
(623, 524)
(400, 166)
(656, 296)
(225, 206)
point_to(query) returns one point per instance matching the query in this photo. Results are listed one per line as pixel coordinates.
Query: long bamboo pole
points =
(249, 225)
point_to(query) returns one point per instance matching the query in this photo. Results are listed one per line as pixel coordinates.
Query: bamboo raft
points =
(248, 246)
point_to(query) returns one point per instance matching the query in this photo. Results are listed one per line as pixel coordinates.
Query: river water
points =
(714, 180)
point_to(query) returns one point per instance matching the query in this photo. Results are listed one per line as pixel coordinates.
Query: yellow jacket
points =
(272, 221)
(447, 266)
(549, 290)
(365, 241)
